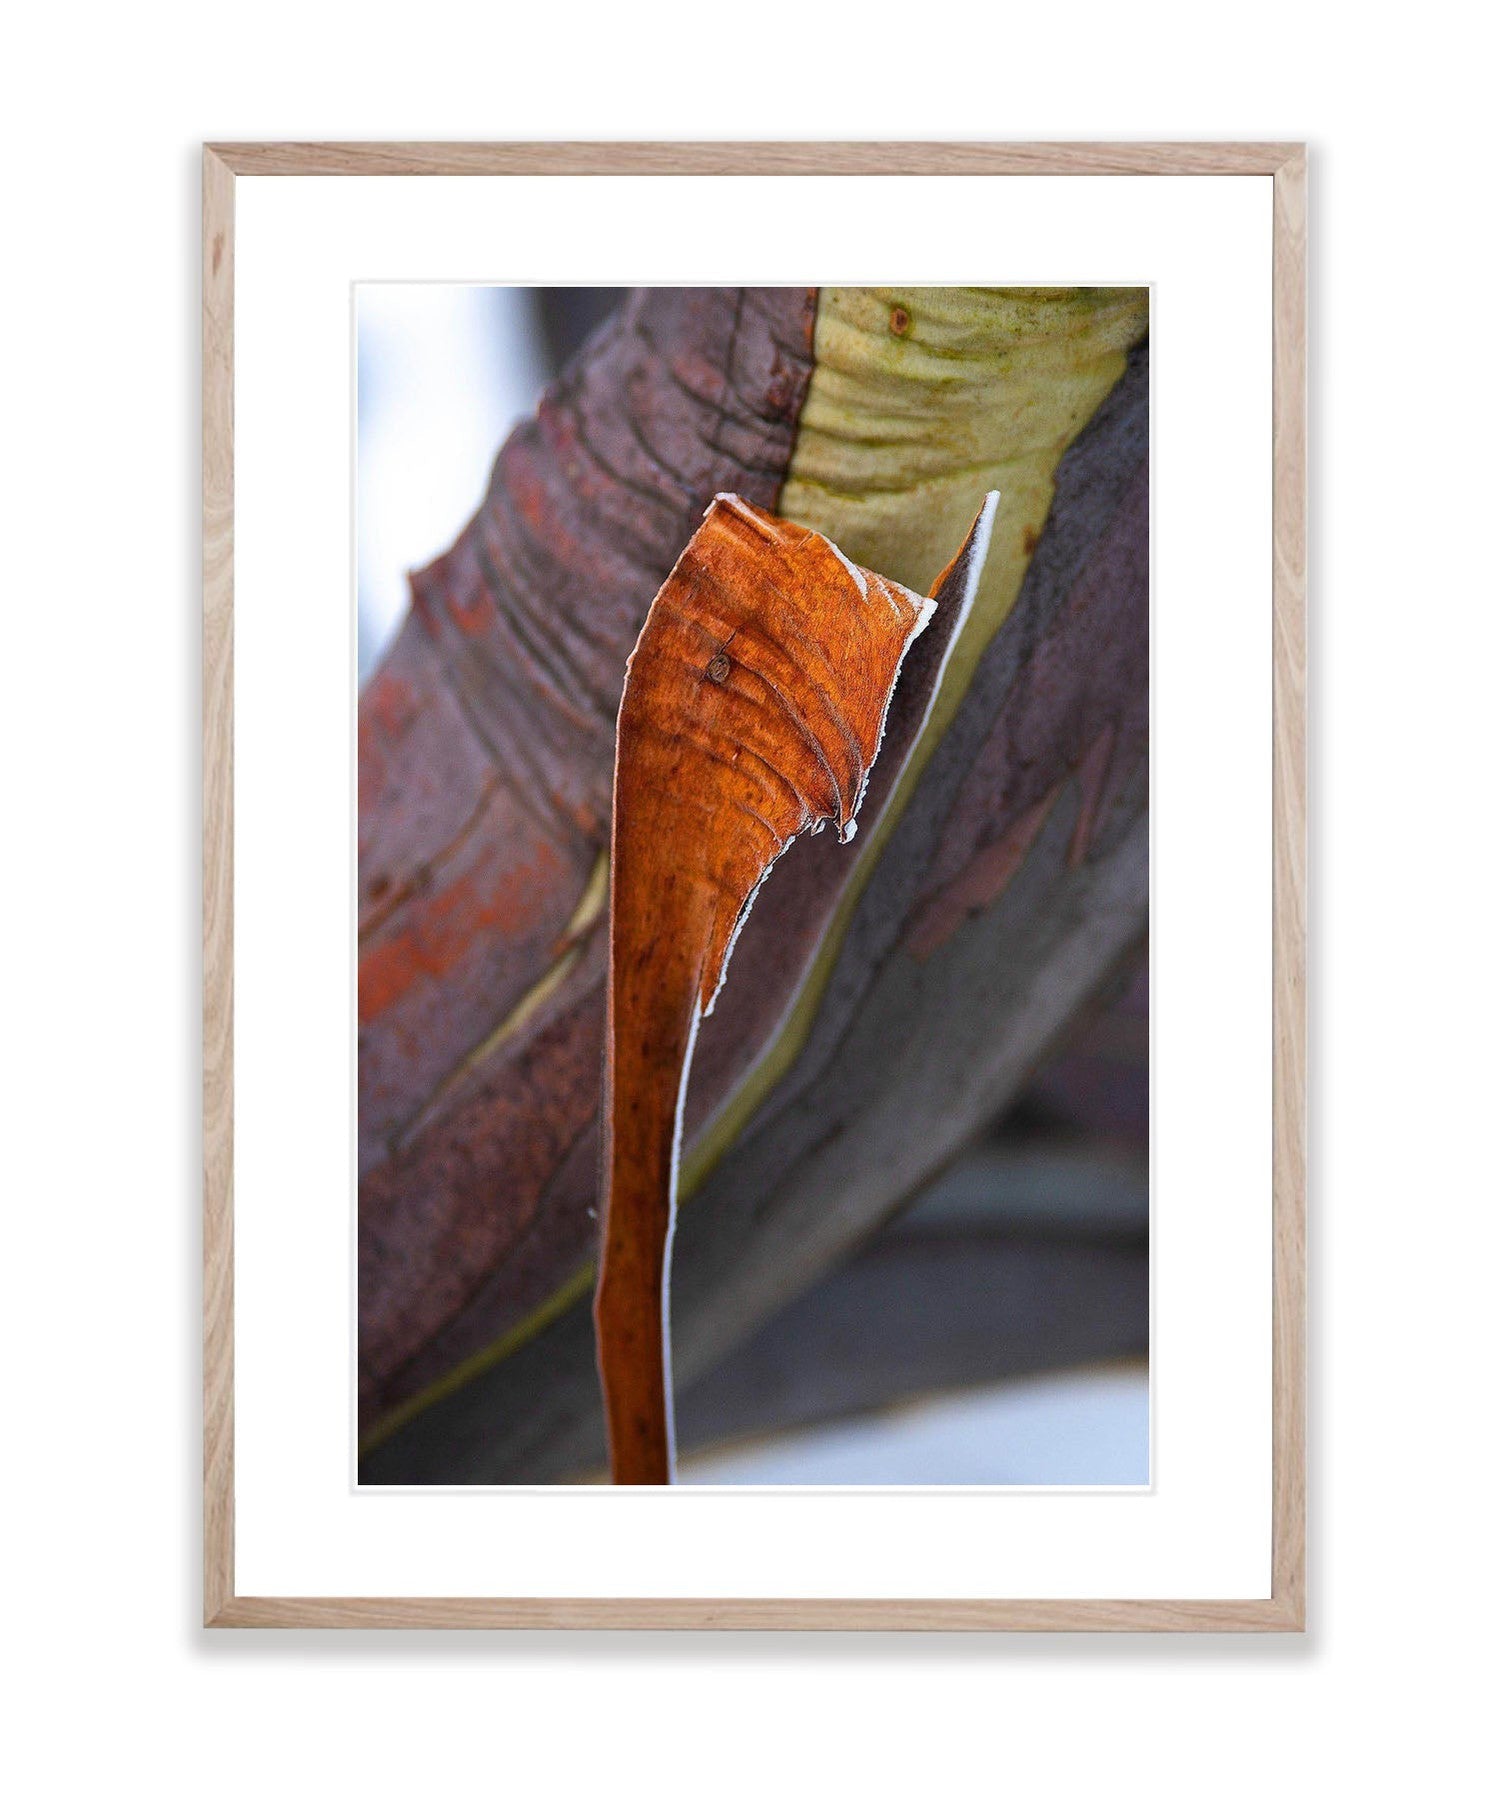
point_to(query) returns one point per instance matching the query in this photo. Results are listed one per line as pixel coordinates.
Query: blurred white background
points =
(1091, 1428)
(444, 372)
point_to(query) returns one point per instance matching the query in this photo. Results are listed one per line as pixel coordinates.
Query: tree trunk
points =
(1007, 875)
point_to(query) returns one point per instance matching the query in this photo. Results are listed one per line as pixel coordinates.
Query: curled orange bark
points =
(753, 709)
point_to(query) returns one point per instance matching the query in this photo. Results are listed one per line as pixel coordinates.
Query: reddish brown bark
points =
(486, 744)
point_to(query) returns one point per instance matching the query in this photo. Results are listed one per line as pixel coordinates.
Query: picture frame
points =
(1283, 167)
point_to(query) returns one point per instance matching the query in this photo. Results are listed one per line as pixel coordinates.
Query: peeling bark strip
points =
(754, 707)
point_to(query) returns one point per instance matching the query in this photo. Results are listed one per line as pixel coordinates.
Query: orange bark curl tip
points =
(754, 706)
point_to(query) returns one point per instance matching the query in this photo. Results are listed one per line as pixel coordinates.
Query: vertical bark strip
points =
(754, 707)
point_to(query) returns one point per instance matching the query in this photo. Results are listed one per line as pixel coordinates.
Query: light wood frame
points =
(1284, 1610)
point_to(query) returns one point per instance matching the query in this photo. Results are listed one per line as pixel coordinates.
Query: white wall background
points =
(112, 1679)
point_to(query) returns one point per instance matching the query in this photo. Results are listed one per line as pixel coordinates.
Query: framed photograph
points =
(629, 1203)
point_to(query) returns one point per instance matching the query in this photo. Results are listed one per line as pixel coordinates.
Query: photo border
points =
(1284, 1609)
